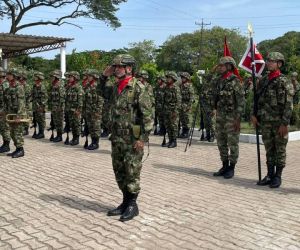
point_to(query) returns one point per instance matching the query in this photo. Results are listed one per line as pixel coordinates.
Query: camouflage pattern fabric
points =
(275, 106)
(131, 120)
(4, 128)
(39, 102)
(172, 103)
(187, 98)
(159, 92)
(229, 99)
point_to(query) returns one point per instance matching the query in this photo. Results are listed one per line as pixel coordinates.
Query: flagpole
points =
(255, 108)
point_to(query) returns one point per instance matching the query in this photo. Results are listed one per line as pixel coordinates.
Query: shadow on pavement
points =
(236, 181)
(75, 202)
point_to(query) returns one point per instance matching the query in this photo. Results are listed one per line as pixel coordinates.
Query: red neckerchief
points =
(92, 83)
(227, 75)
(12, 83)
(274, 74)
(84, 83)
(23, 82)
(38, 83)
(123, 83)
(71, 84)
(54, 83)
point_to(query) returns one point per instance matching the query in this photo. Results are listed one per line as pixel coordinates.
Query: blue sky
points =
(157, 20)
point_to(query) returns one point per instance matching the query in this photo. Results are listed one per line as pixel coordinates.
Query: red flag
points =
(246, 61)
(228, 53)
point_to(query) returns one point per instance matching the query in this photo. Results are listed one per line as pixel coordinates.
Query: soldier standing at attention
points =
(4, 127)
(131, 124)
(275, 104)
(73, 105)
(159, 92)
(143, 77)
(229, 105)
(172, 104)
(15, 104)
(295, 115)
(57, 103)
(39, 101)
(93, 104)
(187, 98)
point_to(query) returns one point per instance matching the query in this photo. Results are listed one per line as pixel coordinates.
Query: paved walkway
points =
(57, 196)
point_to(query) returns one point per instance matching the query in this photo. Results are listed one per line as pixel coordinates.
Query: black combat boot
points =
(229, 173)
(40, 135)
(268, 178)
(276, 180)
(208, 136)
(223, 169)
(162, 130)
(74, 141)
(51, 137)
(26, 131)
(212, 137)
(132, 209)
(105, 133)
(5, 147)
(165, 144)
(121, 208)
(185, 133)
(94, 145)
(34, 135)
(18, 153)
(58, 138)
(155, 131)
(173, 144)
(202, 138)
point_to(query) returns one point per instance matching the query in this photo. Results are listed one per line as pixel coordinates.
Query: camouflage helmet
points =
(123, 60)
(161, 77)
(2, 72)
(227, 59)
(23, 73)
(276, 56)
(12, 71)
(75, 74)
(172, 75)
(85, 72)
(295, 74)
(144, 74)
(185, 75)
(94, 73)
(39, 75)
(66, 74)
(56, 73)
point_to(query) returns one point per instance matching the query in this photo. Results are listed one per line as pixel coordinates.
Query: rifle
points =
(51, 128)
(67, 128)
(34, 123)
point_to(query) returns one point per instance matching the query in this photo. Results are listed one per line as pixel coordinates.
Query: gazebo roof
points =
(16, 45)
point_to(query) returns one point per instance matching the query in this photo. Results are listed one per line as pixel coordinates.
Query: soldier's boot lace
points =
(276, 180)
(173, 144)
(268, 178)
(5, 147)
(229, 173)
(223, 169)
(131, 210)
(94, 145)
(75, 141)
(58, 137)
(18, 153)
(121, 208)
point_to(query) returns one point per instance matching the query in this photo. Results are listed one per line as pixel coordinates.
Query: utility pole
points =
(202, 24)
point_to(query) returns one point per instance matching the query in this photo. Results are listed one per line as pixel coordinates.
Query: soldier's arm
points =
(80, 98)
(288, 90)
(21, 101)
(239, 98)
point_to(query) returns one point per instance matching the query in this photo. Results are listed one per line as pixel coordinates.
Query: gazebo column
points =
(5, 64)
(63, 59)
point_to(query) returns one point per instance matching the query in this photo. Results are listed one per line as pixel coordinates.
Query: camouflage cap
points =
(172, 75)
(56, 73)
(123, 60)
(144, 74)
(94, 73)
(227, 59)
(75, 74)
(295, 74)
(185, 75)
(2, 72)
(276, 56)
(39, 75)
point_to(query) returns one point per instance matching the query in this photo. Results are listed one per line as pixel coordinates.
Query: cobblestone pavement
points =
(56, 197)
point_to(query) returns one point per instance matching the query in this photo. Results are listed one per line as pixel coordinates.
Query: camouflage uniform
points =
(4, 128)
(275, 103)
(143, 77)
(131, 123)
(187, 98)
(39, 102)
(93, 104)
(229, 99)
(56, 104)
(172, 103)
(159, 92)
(15, 104)
(295, 119)
(73, 105)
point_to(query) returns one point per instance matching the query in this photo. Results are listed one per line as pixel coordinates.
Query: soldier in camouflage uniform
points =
(172, 104)
(84, 85)
(66, 85)
(73, 105)
(15, 104)
(295, 115)
(143, 77)
(159, 92)
(187, 98)
(56, 104)
(39, 102)
(93, 104)
(4, 128)
(229, 104)
(275, 103)
(131, 124)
